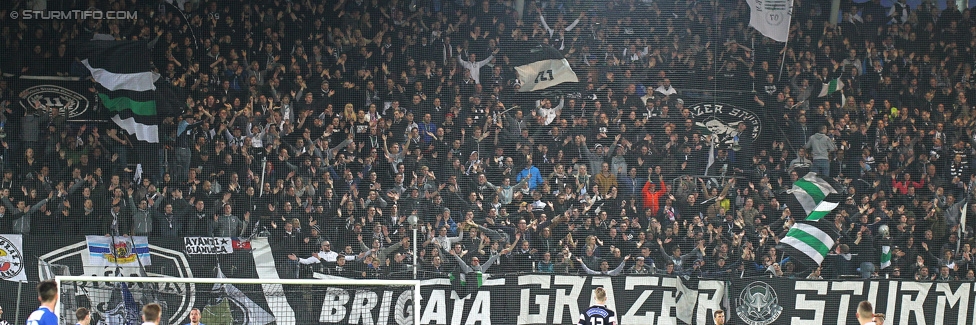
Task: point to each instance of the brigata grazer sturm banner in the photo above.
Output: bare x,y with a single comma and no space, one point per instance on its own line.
503,299
773,301
511,299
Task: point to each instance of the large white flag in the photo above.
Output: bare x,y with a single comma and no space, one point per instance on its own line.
12,258
544,74
771,18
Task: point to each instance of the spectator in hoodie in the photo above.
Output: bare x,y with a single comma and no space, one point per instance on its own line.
819,145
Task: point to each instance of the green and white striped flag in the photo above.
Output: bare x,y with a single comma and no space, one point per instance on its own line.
831,87
822,210
885,256
810,240
808,193
134,96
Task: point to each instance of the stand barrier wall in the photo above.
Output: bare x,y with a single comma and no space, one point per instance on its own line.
493,299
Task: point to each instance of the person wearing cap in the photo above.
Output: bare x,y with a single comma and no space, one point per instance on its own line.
315,234
639,267
234,137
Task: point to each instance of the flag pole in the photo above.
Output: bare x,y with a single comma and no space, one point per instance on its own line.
783,59
20,291
785,44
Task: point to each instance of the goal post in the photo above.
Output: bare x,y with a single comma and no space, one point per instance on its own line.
241,301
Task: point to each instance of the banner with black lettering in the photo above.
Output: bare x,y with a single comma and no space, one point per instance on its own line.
559,299
69,96
784,301
208,245
501,299
522,299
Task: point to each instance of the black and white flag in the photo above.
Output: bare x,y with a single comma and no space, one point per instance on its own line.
545,68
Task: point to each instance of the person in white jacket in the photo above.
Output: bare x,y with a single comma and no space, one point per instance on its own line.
326,255
474,67
548,112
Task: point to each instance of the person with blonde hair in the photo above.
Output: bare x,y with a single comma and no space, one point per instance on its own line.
598,314
865,313
151,314
349,112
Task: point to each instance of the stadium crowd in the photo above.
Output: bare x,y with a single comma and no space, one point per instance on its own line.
331,126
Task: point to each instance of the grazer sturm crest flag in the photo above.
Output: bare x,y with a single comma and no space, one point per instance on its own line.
118,251
12,267
811,199
771,18
545,67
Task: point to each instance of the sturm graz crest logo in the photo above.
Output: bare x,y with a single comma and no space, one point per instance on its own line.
11,261
725,123
52,97
777,11
758,304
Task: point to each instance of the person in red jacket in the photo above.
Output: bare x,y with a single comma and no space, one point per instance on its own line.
652,195
906,181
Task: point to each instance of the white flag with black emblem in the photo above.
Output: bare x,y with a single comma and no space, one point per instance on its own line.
12,266
771,18
545,67
545,74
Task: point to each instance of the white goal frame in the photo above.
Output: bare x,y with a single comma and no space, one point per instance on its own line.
334,282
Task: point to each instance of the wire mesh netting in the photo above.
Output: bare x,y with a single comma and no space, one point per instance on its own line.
314,302
733,149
